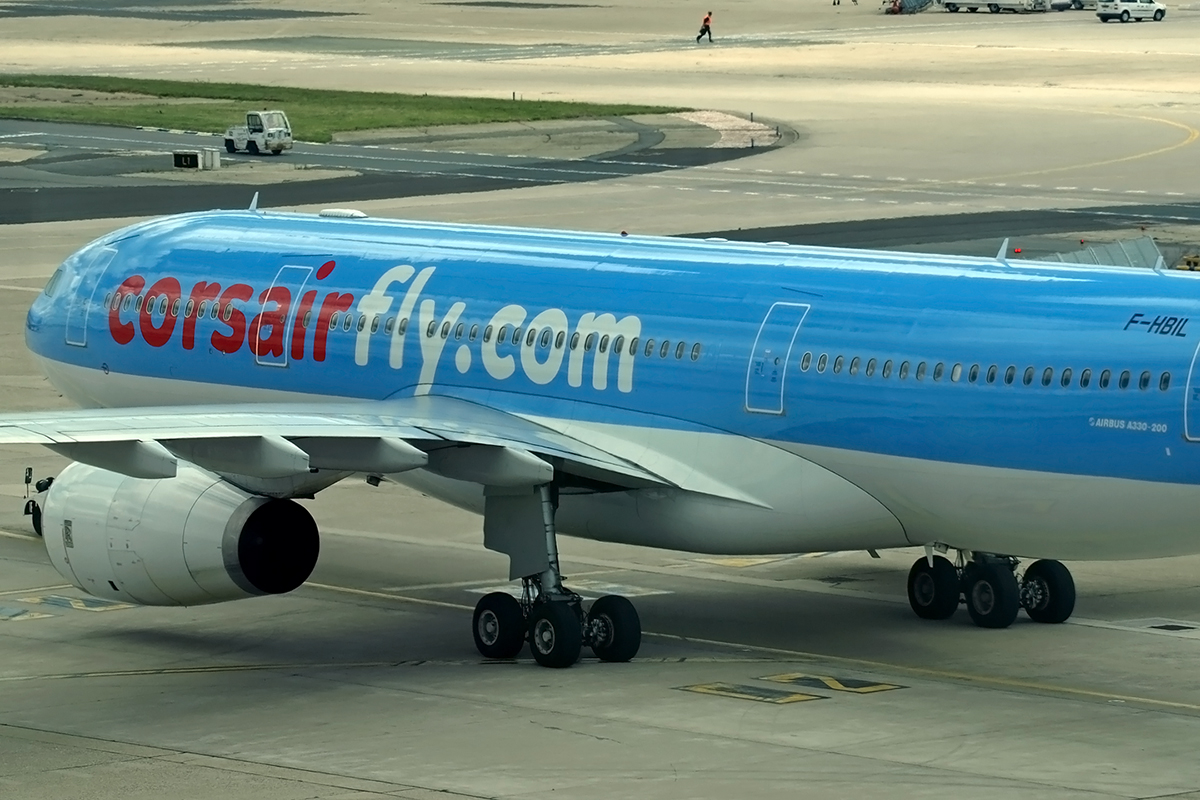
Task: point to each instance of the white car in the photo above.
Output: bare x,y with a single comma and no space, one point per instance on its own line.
1126,10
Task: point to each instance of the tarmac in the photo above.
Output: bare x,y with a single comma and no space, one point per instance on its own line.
802,675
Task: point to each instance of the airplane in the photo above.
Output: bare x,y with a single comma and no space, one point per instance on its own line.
700,395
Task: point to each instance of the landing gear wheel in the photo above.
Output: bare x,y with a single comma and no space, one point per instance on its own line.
252,147
230,147
933,590
992,594
555,634
614,629
1048,592
499,626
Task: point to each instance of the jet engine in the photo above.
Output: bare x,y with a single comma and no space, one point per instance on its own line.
182,541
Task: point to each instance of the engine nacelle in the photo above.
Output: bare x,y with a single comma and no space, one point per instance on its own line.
181,541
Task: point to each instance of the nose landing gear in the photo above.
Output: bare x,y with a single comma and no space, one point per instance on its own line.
989,587
551,617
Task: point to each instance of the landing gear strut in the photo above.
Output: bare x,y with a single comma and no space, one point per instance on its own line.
989,586
551,617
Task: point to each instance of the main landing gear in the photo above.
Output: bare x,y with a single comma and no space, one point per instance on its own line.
551,617
989,587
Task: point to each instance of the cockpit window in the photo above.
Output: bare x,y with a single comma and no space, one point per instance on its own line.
52,284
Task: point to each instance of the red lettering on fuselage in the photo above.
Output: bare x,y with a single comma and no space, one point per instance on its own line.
123,332
200,292
299,328
233,318
163,295
275,320
332,302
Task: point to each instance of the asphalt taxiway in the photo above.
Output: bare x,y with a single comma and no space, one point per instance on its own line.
789,676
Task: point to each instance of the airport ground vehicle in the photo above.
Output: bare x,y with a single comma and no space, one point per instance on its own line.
996,6
1077,5
264,132
1126,10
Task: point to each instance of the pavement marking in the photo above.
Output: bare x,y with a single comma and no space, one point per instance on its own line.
36,589
9,614
758,694
416,587
589,590
34,289
851,685
991,682
740,562
78,603
12,535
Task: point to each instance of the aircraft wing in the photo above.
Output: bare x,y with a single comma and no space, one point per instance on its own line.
453,437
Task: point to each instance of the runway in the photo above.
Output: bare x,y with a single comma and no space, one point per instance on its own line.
790,676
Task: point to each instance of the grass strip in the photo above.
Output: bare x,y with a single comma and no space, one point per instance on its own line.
315,114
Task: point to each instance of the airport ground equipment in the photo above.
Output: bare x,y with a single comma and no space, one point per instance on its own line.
996,6
263,132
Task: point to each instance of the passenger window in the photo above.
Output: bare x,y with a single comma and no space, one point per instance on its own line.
679,348
445,330
189,308
487,333
175,307
886,372
228,312
991,373
1144,381
870,368
108,298
348,322
1028,379
375,324
589,342
1164,382
127,302
1065,380
575,340
403,325
903,370
604,343
956,373
531,336
696,352
666,348
633,346
1123,382
649,348
973,373
921,371
1010,375
1105,378
516,335
805,360
458,329
137,303
821,362
362,322
474,334
1047,376
837,365
854,366
1085,379
430,329
546,337
938,371
618,344
502,334
559,339
162,306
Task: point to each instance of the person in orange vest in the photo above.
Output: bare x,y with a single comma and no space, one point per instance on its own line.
705,27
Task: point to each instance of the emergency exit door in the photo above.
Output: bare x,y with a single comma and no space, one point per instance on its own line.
766,375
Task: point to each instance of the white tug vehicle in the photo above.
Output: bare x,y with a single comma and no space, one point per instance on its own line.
264,132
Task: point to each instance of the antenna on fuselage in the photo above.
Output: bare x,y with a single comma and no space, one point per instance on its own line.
254,207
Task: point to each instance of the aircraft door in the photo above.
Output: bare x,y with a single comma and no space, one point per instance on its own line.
770,357
1191,401
283,301
82,286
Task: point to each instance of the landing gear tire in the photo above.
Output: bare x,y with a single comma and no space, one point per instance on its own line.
1048,592
230,147
252,148
555,634
933,590
993,597
499,626
614,628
